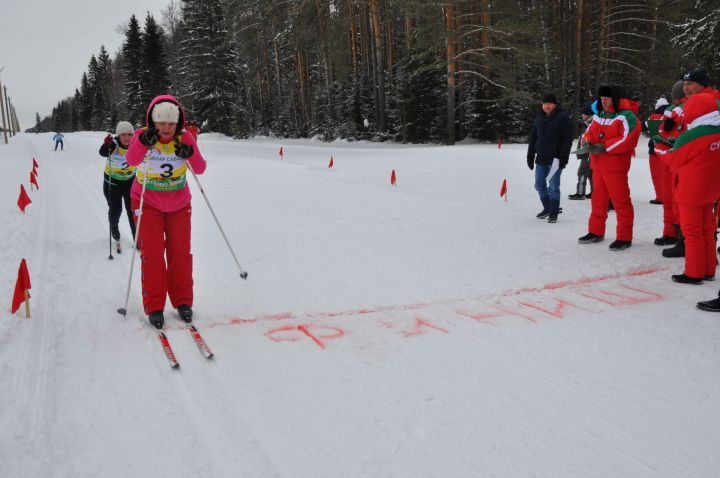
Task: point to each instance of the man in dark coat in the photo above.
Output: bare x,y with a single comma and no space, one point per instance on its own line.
548,153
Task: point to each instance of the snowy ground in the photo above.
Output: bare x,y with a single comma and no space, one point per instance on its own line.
425,330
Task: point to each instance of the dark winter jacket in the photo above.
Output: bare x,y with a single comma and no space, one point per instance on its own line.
550,138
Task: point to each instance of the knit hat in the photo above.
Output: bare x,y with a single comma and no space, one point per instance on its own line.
124,127
165,112
698,75
549,98
677,93
701,109
661,102
605,91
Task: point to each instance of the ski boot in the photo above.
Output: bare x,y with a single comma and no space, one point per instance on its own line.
157,318
185,312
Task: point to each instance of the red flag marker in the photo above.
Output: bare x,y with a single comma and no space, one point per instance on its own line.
500,142
22,286
33,180
35,164
503,189
281,152
393,178
34,170
331,162
23,200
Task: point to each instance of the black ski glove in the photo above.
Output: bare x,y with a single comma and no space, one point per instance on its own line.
149,137
531,162
183,150
598,148
668,124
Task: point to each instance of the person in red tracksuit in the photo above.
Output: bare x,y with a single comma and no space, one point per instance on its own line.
613,136
657,170
696,160
163,151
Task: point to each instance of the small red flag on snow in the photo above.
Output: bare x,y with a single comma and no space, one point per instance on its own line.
331,162
34,170
503,189
24,199
35,164
500,142
281,152
33,180
393,178
22,286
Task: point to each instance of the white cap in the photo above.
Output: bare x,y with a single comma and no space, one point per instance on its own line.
124,127
661,102
165,112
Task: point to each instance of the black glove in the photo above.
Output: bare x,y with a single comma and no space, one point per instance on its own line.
563,163
183,150
531,162
598,148
149,137
668,124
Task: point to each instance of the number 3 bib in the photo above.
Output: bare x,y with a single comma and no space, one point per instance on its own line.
166,171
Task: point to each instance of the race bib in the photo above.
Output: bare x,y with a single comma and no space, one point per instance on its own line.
118,168
165,170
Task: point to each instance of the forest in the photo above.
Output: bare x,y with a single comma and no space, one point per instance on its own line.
410,71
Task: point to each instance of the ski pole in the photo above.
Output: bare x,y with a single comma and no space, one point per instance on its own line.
243,273
109,181
123,310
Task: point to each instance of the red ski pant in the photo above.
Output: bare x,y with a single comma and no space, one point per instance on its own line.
670,205
699,226
164,235
606,187
657,172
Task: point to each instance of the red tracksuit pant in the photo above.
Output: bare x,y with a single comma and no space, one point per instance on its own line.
698,226
657,173
164,243
606,187
670,206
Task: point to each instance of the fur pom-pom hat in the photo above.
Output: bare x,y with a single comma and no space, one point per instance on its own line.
165,112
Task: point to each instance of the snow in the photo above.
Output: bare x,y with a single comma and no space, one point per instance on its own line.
428,329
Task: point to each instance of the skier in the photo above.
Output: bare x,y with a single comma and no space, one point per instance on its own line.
118,177
193,128
696,161
164,222
58,138
613,136
584,172
549,149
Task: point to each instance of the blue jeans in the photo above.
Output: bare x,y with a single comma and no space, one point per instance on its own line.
549,190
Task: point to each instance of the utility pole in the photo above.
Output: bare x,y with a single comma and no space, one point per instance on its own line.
2,110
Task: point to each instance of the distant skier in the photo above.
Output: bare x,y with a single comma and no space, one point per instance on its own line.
118,177
58,138
549,149
164,231
193,128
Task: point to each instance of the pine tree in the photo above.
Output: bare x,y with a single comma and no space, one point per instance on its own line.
155,76
132,67
38,123
86,103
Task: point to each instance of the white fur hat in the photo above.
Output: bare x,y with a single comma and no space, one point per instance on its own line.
165,112
662,101
124,127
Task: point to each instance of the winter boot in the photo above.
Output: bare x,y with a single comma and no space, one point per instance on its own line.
683,279
185,312
546,209
554,210
157,318
678,250
580,194
115,232
709,305
590,238
618,245
655,201
665,241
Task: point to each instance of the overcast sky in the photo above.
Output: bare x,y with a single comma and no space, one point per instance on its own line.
45,46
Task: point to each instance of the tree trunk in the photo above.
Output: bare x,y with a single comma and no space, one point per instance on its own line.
450,39
379,66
